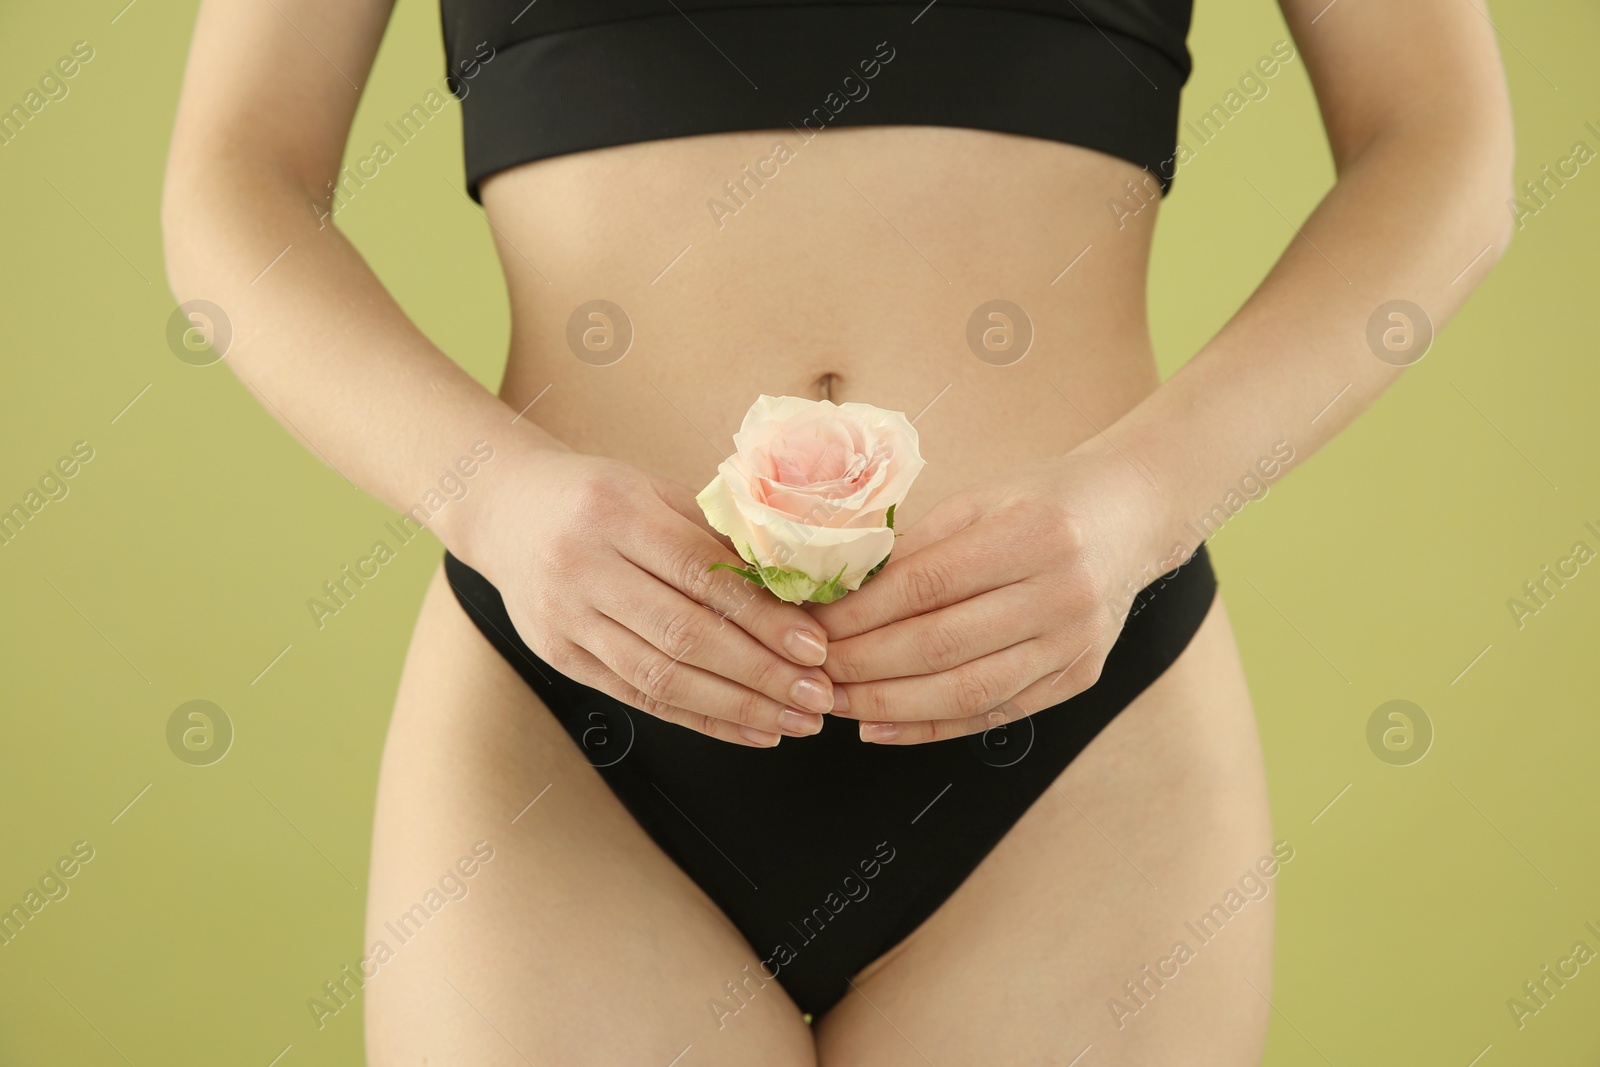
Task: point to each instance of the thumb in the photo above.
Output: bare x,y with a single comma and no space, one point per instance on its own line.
680,498
948,516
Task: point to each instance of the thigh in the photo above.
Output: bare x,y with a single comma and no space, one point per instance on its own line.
1066,937
516,912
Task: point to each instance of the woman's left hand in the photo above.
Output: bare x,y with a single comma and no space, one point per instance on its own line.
1002,601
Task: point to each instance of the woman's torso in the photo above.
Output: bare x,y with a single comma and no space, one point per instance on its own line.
850,267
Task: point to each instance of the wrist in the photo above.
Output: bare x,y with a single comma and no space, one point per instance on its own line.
1149,537
508,461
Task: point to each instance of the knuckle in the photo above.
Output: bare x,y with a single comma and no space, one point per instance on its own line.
943,646
1066,534
561,655
1049,525
1094,585
653,706
1082,592
767,673
596,498
560,558
689,564
655,674
867,702
842,665
680,632
927,584
969,692
744,597
749,711
1090,669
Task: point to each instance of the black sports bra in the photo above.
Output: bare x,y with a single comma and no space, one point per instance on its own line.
549,77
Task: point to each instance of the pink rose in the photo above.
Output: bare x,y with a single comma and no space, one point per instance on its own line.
809,495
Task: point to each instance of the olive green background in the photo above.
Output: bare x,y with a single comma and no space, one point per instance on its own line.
179,565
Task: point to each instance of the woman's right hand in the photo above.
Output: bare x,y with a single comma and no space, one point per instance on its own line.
604,570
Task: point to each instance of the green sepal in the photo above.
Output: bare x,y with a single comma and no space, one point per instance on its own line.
748,575
889,521
831,590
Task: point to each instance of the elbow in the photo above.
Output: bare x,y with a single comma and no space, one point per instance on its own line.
1498,216
210,209
1475,168
1487,151
219,209
1468,155
178,210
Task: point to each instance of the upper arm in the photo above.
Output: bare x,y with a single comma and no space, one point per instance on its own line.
1427,70
275,83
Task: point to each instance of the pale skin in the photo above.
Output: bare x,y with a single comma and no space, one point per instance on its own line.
580,942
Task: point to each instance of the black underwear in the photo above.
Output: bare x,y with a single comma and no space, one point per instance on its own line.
544,79
827,851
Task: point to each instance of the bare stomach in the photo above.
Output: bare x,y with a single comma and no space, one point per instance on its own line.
657,288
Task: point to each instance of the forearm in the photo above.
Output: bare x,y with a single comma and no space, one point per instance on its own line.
1420,218
320,341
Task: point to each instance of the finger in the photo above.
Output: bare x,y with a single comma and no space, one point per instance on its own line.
1064,683
671,683
686,632
943,519
971,561
947,517
1050,691
919,732
938,641
961,692
681,554
582,665
682,500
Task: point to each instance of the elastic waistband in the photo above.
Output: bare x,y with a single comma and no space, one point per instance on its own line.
799,70
1158,623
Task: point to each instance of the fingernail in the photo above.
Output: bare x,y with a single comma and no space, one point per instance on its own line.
760,737
810,694
840,701
805,647
798,723
879,731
